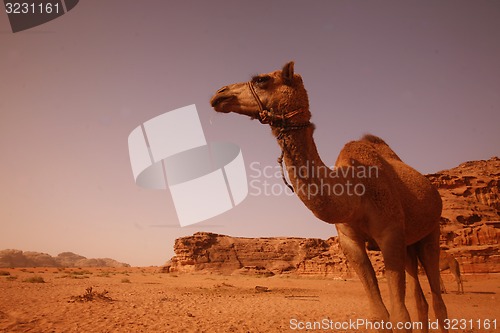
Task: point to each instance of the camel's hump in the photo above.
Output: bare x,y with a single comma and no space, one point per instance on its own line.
373,139
381,146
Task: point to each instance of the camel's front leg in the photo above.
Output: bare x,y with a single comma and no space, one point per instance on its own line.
354,250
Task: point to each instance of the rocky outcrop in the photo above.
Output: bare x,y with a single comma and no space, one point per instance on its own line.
469,231
225,254
476,247
334,263
470,192
213,253
471,213
17,258
478,234
477,259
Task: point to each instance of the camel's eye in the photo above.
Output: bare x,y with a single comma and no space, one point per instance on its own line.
261,79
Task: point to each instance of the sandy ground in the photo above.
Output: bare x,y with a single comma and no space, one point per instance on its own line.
144,300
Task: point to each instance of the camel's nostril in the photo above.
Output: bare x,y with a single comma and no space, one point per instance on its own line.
217,100
221,90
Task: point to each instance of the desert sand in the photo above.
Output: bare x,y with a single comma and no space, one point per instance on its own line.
145,300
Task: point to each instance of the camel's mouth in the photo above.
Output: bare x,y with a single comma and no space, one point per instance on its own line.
218,103
226,103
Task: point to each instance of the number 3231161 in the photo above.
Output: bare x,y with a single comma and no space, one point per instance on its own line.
32,8
455,324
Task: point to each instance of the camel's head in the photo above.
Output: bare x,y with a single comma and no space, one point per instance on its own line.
281,91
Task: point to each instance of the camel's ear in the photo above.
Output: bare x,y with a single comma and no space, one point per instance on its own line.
287,73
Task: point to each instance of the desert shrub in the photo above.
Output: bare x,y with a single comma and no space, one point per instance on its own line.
4,273
11,278
125,280
35,279
81,272
75,275
91,295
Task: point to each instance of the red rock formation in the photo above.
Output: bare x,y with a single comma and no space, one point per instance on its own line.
471,214
470,192
475,235
212,253
478,259
225,254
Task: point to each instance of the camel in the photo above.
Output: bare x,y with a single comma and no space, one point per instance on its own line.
447,261
370,195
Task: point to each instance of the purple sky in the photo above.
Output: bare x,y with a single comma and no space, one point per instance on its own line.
424,75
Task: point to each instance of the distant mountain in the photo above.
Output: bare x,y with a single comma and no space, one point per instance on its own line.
18,258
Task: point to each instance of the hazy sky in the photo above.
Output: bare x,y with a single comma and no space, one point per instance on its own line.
424,75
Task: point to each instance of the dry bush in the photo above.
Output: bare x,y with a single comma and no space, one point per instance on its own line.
91,295
34,279
76,275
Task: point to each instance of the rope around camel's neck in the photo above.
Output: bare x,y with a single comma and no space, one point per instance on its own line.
312,180
299,154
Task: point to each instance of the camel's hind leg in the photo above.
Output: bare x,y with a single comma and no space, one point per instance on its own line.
394,250
441,283
443,265
428,253
354,250
418,294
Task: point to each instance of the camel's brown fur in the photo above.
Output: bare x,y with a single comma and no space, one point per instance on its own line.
399,210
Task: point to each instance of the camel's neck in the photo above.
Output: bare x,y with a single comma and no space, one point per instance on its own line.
322,189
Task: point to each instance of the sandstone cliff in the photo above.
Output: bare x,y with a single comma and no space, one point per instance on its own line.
470,191
225,254
471,213
17,258
469,229
213,253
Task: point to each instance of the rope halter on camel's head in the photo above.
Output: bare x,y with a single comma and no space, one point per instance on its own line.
270,117
278,120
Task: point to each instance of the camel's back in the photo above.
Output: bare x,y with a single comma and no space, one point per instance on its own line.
419,199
